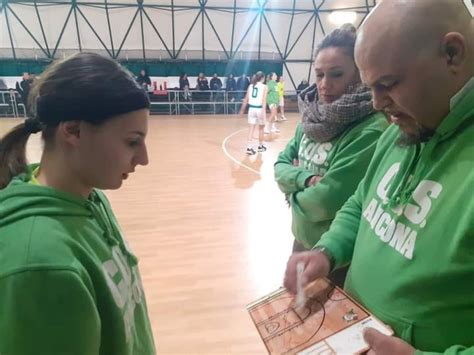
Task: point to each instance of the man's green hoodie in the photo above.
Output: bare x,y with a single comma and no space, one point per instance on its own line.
68,282
341,163
409,234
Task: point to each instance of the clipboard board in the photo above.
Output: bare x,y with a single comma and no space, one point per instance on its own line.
331,322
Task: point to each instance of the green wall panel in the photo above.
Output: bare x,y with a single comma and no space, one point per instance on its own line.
192,68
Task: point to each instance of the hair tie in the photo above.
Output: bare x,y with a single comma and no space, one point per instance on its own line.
33,125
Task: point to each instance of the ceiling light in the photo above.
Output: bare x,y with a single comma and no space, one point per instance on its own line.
342,17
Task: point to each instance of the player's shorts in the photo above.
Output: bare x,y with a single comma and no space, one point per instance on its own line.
256,116
272,106
282,101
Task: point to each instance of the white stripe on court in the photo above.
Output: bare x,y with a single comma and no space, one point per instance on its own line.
224,149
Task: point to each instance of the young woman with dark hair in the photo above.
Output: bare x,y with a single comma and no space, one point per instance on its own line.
69,283
324,162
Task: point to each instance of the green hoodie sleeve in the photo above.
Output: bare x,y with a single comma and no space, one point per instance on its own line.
340,238
290,178
47,312
320,202
453,350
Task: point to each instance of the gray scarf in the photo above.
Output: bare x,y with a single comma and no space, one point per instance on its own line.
323,122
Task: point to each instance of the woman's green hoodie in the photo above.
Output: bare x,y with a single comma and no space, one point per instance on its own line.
68,282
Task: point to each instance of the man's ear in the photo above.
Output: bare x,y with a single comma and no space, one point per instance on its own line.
454,50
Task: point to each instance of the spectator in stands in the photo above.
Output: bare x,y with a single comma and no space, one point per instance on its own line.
242,84
23,89
216,83
3,86
183,82
143,79
202,83
230,86
303,85
184,85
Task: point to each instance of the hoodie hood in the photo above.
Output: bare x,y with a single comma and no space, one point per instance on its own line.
412,170
21,200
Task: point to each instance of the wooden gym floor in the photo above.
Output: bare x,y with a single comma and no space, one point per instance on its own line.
210,227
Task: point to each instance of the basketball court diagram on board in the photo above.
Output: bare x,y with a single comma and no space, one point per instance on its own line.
330,322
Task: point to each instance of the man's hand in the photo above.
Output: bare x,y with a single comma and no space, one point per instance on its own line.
381,344
316,265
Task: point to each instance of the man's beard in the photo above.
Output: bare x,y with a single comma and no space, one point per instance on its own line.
421,135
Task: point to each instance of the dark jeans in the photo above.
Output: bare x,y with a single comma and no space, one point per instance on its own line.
337,277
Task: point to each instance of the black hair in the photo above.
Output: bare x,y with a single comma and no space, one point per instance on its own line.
270,76
343,37
85,86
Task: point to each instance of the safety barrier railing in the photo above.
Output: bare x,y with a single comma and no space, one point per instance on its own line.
171,102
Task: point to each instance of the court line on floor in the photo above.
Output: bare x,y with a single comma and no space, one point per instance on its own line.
224,149
226,152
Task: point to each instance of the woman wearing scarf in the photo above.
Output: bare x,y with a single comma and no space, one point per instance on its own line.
326,159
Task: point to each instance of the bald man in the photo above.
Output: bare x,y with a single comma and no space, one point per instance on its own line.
408,231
